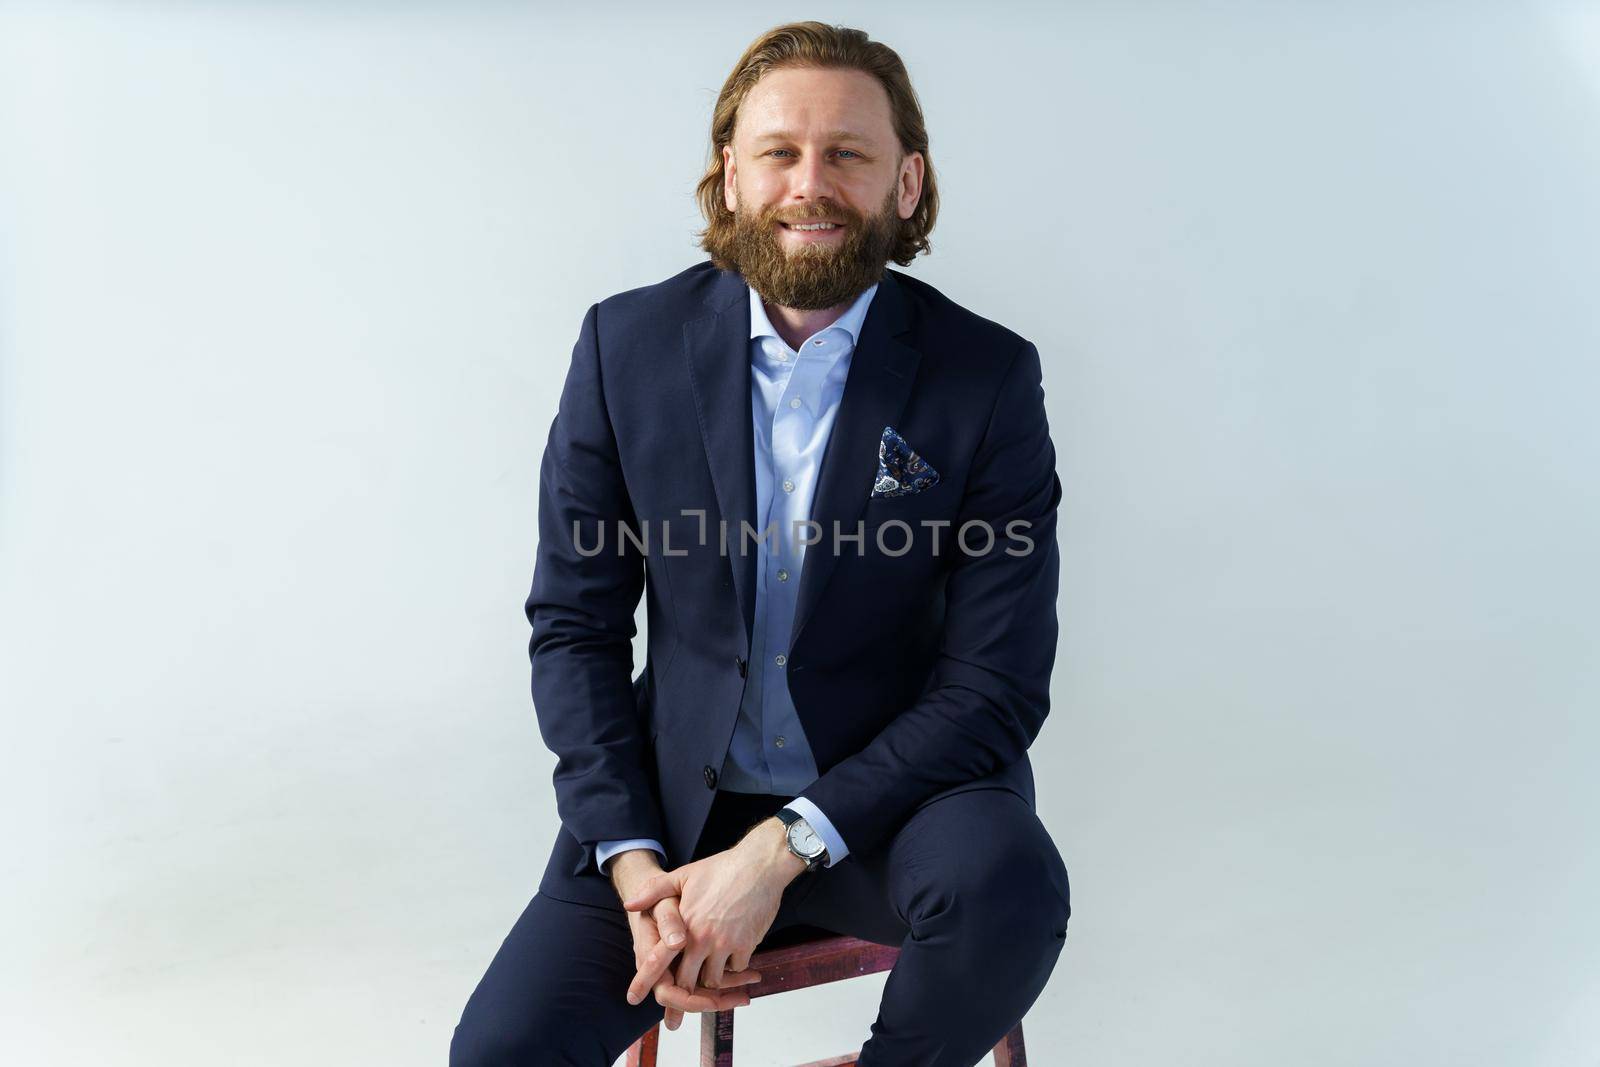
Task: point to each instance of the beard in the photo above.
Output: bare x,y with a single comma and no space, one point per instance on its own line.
812,276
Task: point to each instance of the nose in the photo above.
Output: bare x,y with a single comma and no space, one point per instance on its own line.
809,179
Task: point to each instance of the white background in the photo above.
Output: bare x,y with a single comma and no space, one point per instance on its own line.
286,294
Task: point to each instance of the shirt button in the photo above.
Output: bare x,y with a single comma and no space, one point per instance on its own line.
794,402
783,576
818,341
783,357
788,486
779,741
780,659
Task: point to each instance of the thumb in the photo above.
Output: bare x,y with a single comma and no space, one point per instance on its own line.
669,923
654,888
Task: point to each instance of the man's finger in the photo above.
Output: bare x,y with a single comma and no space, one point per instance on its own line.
651,971
669,922
674,997
689,966
647,934
711,972
730,979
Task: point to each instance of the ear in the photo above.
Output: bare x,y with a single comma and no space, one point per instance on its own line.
730,188
910,184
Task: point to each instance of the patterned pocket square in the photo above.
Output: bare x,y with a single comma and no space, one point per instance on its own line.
900,470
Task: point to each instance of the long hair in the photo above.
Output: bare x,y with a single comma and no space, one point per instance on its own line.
816,44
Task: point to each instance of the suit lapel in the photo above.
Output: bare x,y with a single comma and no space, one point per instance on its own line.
882,369
718,350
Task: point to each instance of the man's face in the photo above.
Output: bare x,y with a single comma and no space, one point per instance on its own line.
815,146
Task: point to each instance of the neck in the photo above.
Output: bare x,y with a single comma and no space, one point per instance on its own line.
795,326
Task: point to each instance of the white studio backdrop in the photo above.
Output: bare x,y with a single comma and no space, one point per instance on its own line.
287,292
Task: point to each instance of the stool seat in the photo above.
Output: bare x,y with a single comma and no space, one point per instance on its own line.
798,957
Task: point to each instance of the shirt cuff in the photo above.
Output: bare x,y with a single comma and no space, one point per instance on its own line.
824,829
606,849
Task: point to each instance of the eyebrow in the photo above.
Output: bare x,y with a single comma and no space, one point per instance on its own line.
832,135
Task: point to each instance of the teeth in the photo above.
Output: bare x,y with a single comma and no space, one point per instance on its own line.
812,226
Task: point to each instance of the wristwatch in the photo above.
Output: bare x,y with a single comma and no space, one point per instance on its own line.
802,839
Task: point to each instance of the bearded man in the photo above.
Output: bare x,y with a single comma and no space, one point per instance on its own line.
839,489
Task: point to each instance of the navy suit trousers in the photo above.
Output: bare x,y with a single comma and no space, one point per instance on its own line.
971,888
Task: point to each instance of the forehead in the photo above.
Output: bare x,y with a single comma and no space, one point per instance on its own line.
803,102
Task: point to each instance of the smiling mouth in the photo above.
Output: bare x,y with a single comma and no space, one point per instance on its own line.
812,227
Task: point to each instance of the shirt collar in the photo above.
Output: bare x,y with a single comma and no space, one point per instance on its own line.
850,321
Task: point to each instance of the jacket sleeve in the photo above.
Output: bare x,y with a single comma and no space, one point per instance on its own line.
990,689
581,609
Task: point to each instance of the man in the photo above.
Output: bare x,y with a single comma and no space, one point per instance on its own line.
832,725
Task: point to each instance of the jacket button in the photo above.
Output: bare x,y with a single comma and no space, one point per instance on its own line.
740,661
710,773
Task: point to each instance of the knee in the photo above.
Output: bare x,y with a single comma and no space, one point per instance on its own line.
1012,897
480,1043
481,1040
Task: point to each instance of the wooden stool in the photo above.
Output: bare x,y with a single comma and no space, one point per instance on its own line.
797,957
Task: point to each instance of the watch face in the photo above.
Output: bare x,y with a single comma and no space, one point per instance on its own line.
804,840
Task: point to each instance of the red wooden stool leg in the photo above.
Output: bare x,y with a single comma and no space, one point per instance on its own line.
1009,1052
716,1039
642,1053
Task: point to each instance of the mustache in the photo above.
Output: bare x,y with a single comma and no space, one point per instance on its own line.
821,213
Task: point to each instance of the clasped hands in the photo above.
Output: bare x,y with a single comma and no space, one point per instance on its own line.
709,915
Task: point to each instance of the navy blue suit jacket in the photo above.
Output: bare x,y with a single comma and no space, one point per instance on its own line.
915,675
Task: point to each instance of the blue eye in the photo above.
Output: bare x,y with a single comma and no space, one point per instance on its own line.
843,151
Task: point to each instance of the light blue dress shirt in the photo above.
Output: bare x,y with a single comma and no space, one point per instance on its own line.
794,398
